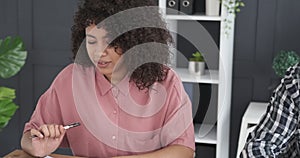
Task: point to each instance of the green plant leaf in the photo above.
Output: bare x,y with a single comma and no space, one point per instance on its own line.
3,121
283,60
7,110
197,56
7,93
12,56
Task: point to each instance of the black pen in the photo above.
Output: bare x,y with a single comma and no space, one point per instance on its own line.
65,127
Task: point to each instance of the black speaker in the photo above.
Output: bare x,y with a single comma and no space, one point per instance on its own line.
172,6
187,6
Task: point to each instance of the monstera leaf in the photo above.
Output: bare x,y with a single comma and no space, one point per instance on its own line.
12,58
7,106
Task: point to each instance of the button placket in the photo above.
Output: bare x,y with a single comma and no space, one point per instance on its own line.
117,130
115,92
114,135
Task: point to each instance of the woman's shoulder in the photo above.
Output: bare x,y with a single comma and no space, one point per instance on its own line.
66,71
65,75
172,78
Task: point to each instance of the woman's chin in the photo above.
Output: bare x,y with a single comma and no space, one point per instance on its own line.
104,71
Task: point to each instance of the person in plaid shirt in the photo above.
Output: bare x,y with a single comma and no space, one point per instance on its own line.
277,134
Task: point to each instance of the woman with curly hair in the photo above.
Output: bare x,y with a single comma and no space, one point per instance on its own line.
120,90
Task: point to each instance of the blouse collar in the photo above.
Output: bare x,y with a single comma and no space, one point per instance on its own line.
105,85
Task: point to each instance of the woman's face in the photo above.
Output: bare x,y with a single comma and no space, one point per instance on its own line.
104,57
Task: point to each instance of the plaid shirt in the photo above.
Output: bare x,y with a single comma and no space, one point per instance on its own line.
277,134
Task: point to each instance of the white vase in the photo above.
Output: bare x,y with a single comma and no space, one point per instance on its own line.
197,68
212,7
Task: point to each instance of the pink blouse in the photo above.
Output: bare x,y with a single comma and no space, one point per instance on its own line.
121,119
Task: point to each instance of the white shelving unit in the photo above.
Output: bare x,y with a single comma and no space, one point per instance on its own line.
209,138
222,77
193,17
210,76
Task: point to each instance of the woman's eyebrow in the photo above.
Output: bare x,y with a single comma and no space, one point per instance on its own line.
91,36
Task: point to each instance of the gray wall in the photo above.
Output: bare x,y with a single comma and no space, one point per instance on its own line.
262,28
44,26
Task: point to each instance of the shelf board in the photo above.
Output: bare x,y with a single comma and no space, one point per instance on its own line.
210,76
199,17
208,134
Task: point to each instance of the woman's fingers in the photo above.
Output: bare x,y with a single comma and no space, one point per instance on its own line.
34,133
48,140
57,131
51,131
44,129
62,129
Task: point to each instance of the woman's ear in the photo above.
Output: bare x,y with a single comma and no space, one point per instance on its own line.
118,50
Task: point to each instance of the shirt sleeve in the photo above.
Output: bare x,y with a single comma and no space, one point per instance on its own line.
47,111
180,111
275,134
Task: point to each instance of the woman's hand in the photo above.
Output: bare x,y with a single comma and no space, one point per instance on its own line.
43,141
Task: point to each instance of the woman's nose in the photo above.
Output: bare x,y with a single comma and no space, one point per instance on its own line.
100,51
103,53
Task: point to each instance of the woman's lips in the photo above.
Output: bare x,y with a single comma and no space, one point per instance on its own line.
103,64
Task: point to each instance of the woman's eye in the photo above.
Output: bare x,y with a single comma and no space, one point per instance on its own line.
92,42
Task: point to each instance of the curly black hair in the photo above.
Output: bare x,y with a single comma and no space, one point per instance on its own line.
148,64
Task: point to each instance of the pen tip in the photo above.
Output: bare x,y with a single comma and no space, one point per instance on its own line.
77,123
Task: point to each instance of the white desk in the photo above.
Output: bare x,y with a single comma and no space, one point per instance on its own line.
252,116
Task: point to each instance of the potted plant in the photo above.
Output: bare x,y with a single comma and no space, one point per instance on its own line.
283,60
197,64
212,7
232,7
12,58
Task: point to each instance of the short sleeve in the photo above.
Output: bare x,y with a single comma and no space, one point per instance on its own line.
180,112
47,111
187,138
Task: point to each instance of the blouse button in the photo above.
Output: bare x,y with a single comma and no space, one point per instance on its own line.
113,137
115,92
